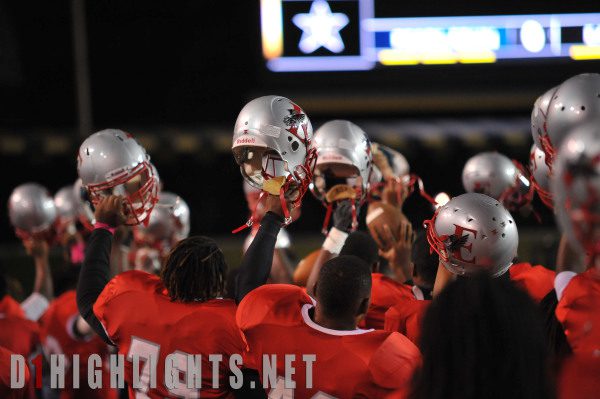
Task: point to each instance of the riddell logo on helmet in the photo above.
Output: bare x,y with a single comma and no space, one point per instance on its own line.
245,140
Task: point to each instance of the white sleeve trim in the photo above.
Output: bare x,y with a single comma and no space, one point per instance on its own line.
34,306
561,281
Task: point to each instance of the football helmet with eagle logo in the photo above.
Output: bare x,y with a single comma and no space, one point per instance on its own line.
273,140
473,232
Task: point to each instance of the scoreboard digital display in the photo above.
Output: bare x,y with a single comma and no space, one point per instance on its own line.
345,35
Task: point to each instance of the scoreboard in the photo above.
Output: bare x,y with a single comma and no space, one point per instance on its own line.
346,35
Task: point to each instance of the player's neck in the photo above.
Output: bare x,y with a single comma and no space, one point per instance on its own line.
332,324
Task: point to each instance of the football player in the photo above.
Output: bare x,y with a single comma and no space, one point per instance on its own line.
576,190
482,338
341,182
150,317
407,314
320,334
385,292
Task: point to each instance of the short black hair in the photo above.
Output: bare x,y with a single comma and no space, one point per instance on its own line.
195,270
424,260
482,338
344,282
361,245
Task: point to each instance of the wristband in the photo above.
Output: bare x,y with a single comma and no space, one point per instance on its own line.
335,241
100,225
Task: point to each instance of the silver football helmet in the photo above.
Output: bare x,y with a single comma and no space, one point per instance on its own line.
495,175
343,158
473,232
575,103
576,188
399,169
68,207
272,138
539,113
168,224
31,210
86,212
112,162
540,175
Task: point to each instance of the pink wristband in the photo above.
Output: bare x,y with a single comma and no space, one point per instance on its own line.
100,225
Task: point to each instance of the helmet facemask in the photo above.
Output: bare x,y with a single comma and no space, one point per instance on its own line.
138,187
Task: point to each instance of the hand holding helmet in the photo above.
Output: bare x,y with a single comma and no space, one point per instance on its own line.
111,211
272,140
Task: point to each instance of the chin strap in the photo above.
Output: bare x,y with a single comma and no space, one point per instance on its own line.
354,225
548,148
252,217
416,180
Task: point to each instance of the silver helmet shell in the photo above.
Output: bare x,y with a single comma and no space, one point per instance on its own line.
540,174
273,137
576,188
112,162
539,113
575,103
31,209
343,154
397,161
67,204
473,232
168,224
495,175
86,213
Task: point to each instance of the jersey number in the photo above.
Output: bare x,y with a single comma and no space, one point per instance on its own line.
146,350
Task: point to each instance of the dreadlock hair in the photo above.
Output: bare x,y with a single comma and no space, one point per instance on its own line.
344,282
482,338
195,270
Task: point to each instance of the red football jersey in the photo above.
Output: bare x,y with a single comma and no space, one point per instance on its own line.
19,335
56,332
6,392
385,293
579,313
10,307
276,321
537,281
406,317
579,378
140,318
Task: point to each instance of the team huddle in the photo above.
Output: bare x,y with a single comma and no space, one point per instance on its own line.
383,309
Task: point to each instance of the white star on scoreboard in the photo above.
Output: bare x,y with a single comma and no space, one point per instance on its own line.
320,28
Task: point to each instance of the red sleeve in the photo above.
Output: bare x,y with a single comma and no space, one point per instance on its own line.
10,307
120,284
537,281
393,320
263,302
577,311
394,362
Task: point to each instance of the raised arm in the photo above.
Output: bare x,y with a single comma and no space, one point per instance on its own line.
95,271
336,237
256,263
